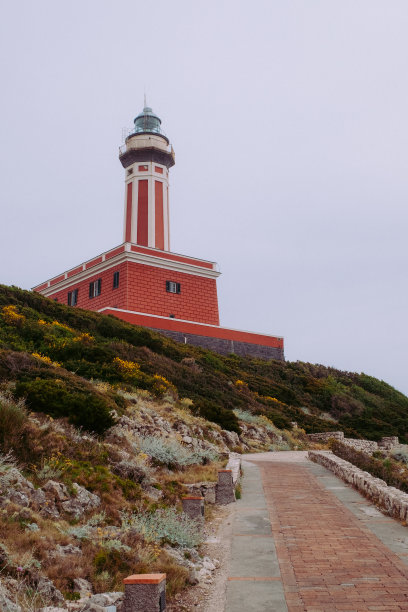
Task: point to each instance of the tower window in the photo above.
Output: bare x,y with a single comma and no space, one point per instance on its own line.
173,287
116,279
159,170
130,171
73,297
143,168
95,288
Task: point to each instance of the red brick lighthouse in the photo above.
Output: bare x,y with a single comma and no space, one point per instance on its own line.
142,281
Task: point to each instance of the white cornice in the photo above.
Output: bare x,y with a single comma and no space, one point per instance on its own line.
129,256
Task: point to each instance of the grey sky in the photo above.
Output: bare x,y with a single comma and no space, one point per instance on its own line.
289,122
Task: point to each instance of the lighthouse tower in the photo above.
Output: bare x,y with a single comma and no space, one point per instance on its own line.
147,157
141,280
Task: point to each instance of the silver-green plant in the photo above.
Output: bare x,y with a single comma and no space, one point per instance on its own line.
163,526
48,472
255,419
116,545
8,470
400,454
173,453
87,530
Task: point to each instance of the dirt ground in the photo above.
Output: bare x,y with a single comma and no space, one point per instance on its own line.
211,597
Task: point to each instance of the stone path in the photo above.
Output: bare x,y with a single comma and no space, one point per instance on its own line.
303,540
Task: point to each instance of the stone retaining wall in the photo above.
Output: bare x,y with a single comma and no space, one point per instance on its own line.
388,442
326,435
394,501
366,446
225,347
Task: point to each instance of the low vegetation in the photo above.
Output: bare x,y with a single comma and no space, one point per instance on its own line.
128,417
41,339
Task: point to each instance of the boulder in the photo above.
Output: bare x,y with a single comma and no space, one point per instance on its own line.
84,501
6,603
83,587
47,590
56,490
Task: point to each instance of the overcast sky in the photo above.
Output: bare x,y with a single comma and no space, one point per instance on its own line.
289,122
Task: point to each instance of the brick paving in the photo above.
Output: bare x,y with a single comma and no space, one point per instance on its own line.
328,559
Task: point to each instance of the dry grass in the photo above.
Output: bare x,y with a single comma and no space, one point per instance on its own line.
195,473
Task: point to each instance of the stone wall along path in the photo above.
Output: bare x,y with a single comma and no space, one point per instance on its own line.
306,541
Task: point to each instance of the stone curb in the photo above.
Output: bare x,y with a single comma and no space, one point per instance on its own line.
394,501
234,464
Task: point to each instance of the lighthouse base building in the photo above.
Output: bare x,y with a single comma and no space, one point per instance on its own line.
142,281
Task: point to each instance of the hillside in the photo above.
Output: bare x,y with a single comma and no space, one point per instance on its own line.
36,332
105,426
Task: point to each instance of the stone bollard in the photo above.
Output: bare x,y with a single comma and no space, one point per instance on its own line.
193,507
225,491
145,593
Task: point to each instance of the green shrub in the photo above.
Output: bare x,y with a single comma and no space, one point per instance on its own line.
92,411
212,412
12,419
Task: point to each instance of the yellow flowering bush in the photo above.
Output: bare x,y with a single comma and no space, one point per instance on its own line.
53,467
63,326
241,385
130,370
162,386
84,337
46,359
11,316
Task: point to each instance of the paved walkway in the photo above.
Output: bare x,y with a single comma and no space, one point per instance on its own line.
303,540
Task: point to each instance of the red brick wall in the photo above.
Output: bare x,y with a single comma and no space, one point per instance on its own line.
108,297
143,289
147,293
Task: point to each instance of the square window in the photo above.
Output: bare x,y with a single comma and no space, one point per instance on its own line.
173,287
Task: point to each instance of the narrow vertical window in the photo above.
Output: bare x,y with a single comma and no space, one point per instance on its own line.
73,297
95,288
116,279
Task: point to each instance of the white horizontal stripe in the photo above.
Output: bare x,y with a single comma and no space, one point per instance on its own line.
146,314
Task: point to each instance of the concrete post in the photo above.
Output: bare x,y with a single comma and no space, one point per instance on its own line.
145,593
225,490
193,507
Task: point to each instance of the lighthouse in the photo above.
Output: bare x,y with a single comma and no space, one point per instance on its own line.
147,157
143,281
